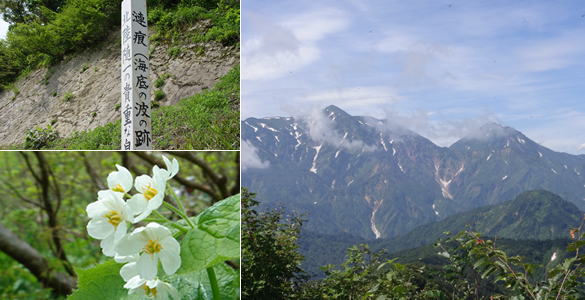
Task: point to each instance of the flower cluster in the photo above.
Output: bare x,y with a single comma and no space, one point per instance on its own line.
142,249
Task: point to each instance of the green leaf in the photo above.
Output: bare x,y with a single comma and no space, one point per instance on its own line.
216,237
195,285
100,282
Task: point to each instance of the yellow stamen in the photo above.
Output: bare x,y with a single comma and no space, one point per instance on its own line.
118,188
152,247
149,291
149,192
114,218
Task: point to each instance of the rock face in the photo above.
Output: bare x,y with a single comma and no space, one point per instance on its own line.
93,78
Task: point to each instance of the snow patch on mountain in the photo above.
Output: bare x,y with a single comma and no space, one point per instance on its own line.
314,168
255,128
374,229
268,127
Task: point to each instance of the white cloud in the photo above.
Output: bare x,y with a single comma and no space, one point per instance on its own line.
321,130
250,158
276,49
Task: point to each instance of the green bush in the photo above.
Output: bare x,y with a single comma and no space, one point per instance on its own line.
159,94
68,96
39,138
54,94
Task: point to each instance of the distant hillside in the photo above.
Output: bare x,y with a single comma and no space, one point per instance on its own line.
533,215
373,178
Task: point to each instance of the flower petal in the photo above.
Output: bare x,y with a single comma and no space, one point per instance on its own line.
108,246
169,256
147,265
137,204
130,244
128,271
99,228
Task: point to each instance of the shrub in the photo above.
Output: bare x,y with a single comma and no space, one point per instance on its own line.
39,138
68,96
159,94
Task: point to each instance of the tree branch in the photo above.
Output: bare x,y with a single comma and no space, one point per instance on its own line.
25,254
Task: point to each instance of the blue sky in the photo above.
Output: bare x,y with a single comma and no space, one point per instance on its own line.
438,68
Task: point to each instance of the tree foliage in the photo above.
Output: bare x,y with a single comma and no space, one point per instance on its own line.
270,262
468,266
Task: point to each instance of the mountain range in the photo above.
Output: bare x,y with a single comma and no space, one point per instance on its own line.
536,219
372,178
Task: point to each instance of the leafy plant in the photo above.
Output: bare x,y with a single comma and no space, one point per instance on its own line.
174,51
198,271
54,94
53,121
159,94
84,67
39,138
117,106
270,263
68,96
159,82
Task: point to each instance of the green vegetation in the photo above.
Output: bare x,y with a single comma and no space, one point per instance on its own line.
174,51
158,94
16,92
159,82
208,120
224,16
270,263
68,96
39,138
468,266
44,222
53,121
43,33
54,94
84,67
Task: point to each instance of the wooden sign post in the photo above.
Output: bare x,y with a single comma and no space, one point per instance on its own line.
136,121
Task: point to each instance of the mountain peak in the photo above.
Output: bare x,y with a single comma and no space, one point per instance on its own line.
493,136
333,110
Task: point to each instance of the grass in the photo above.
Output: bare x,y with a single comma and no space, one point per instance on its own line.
208,120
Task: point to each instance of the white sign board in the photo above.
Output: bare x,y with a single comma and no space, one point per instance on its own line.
136,120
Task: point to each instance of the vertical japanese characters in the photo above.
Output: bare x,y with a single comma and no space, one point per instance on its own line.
136,121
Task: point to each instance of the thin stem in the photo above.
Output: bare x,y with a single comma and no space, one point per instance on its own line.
213,282
160,216
181,228
181,214
176,198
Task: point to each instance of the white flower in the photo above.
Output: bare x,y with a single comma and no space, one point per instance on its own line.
157,288
153,242
151,193
120,181
108,219
172,168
